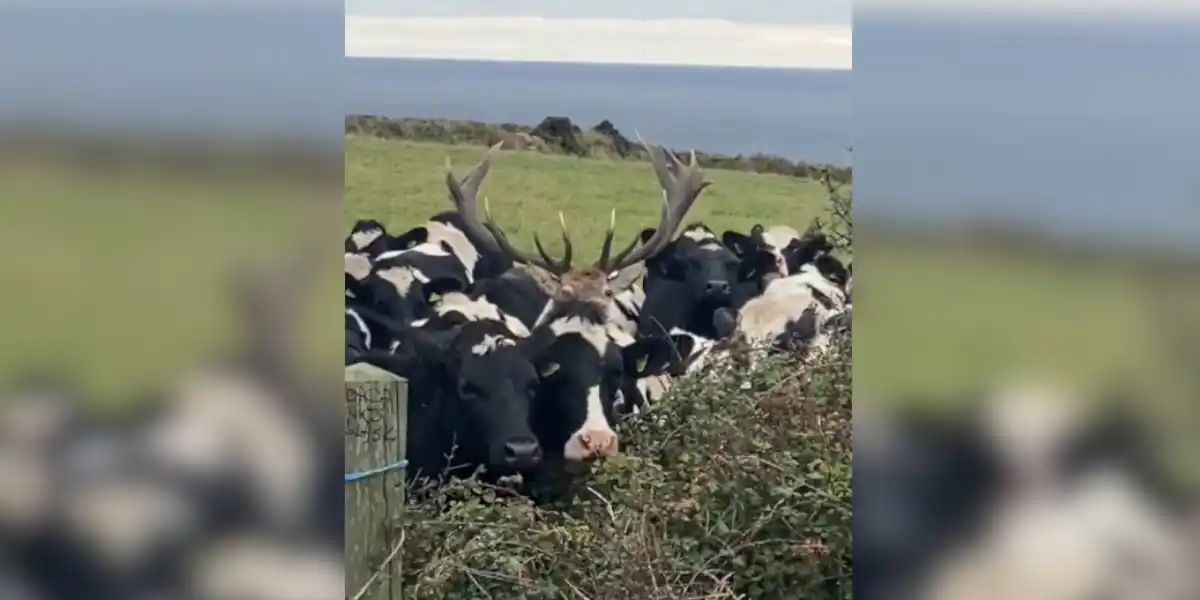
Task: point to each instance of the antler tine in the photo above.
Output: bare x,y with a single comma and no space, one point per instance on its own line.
464,196
568,251
506,247
606,250
681,185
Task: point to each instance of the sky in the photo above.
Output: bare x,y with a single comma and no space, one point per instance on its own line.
777,33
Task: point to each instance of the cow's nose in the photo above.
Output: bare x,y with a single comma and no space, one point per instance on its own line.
522,452
718,287
594,443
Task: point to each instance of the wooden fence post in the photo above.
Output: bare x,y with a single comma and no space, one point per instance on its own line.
376,410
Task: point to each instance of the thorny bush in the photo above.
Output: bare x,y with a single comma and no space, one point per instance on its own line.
735,489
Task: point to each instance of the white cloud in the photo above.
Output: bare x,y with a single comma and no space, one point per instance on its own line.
1081,9
659,41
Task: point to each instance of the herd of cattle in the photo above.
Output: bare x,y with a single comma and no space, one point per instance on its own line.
522,362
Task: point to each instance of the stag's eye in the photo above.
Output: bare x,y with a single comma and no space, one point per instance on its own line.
609,292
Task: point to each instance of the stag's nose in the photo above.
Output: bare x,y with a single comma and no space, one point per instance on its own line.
718,287
522,452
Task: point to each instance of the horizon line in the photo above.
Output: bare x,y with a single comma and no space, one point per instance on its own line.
605,63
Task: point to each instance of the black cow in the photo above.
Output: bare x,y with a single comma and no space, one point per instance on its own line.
693,277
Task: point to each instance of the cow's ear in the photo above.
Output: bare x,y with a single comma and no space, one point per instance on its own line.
648,356
413,237
436,288
755,265
738,243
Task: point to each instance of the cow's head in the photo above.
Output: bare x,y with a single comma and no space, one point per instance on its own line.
402,291
582,370
491,383
371,238
708,269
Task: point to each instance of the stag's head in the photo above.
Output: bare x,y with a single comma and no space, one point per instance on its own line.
596,283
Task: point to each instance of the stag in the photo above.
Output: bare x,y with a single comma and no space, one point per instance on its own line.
598,283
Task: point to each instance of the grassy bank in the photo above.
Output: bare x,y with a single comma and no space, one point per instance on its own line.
558,135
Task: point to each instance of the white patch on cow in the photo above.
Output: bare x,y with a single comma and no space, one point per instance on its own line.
780,236
463,249
362,239
594,334
238,419
362,326
628,302
596,427
427,248
402,278
358,266
490,343
698,234
1100,534
479,309
124,520
765,317
258,567
777,238
28,490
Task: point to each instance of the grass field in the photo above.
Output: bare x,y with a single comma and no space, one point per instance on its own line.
403,183
119,279
939,319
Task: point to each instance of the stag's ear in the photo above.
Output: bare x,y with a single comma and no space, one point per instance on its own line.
627,277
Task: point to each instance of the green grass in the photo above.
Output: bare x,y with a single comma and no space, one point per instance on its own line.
945,319
403,183
119,279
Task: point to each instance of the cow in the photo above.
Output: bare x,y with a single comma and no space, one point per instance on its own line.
693,277
1016,497
472,394
791,312
369,237
403,284
581,368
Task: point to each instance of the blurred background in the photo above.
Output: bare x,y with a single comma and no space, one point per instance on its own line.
168,173
1028,357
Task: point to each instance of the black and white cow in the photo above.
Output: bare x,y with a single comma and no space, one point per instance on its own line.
693,277
791,313
1018,498
404,283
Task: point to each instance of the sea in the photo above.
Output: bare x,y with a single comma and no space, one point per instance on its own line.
1080,128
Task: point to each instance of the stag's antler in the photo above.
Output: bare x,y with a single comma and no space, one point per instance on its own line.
681,185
